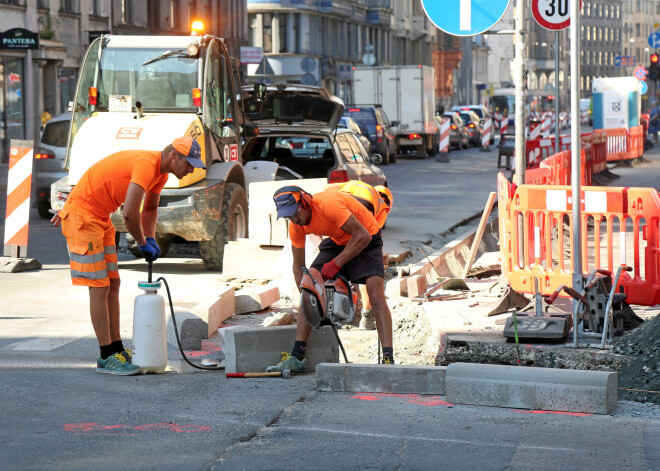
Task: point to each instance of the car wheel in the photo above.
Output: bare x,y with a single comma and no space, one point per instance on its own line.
233,225
386,157
42,208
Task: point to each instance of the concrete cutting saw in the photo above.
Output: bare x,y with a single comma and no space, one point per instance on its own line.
327,302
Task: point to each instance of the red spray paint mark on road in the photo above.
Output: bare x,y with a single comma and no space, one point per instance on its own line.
576,414
412,398
85,427
211,345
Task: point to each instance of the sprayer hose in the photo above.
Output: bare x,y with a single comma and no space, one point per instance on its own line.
176,332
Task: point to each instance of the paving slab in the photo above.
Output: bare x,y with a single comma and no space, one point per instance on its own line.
555,389
395,379
253,349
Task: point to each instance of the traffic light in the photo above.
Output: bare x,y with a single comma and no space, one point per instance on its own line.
654,68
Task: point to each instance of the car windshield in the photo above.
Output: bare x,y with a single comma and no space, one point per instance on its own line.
365,117
479,112
55,134
124,78
466,117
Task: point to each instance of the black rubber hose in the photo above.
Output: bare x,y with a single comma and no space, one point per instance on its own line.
176,332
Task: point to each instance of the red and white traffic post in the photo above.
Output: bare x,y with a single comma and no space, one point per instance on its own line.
443,148
485,135
19,186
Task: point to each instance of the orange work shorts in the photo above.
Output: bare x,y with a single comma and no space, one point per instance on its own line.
92,250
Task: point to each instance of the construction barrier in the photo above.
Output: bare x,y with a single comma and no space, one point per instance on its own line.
619,226
19,184
545,125
444,136
617,144
485,136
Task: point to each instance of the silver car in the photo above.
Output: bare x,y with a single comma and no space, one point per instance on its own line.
49,154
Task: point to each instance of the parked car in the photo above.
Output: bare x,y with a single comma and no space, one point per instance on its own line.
298,130
482,112
360,131
459,137
379,131
49,155
472,125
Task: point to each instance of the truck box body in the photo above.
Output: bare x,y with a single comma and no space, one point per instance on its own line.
407,96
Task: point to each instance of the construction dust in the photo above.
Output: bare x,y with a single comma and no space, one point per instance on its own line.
642,371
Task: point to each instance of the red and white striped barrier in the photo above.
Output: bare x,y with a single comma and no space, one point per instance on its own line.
19,184
545,126
584,117
485,134
534,131
504,125
444,136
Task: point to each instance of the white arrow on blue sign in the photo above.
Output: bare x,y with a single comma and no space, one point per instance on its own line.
654,40
465,17
643,88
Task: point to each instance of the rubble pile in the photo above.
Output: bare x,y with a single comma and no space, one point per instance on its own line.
642,370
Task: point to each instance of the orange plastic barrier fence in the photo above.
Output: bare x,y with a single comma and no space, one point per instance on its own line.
635,142
619,226
616,144
556,170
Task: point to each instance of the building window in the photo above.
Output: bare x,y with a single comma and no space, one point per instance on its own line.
69,6
153,13
43,4
96,8
173,15
13,2
127,12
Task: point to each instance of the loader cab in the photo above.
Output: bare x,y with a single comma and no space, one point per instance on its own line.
147,76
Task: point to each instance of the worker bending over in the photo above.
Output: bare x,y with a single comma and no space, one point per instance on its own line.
354,249
135,179
379,201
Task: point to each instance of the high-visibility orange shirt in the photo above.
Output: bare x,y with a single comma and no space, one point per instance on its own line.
102,188
368,193
330,211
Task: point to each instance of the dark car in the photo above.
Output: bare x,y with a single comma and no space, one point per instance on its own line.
459,137
471,121
378,126
298,131
49,155
483,113
360,131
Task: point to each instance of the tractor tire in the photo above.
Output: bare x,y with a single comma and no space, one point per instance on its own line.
233,225
42,208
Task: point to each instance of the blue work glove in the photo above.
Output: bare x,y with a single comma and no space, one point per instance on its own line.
148,252
151,241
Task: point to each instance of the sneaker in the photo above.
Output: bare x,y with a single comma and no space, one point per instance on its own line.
116,365
387,361
368,321
128,355
295,366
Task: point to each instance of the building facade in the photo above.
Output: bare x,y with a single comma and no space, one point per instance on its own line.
44,79
318,43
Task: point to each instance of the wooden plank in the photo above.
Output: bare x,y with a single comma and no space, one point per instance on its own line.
480,233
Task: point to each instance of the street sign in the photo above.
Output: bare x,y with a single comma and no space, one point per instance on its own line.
465,17
643,88
640,72
552,14
654,40
251,55
625,61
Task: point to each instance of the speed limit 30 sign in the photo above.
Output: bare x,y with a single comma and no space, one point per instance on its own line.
552,14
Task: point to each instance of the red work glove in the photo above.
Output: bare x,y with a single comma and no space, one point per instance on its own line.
330,270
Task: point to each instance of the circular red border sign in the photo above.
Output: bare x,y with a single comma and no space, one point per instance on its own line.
545,23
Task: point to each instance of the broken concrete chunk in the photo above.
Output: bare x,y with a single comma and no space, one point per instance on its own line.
279,318
256,299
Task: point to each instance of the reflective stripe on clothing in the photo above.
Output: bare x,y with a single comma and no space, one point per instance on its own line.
91,243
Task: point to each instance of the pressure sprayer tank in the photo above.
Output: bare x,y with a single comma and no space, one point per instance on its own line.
150,329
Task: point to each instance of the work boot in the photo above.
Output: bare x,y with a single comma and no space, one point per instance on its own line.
368,321
387,361
295,366
116,365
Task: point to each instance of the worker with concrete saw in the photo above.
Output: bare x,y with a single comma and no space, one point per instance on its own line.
134,178
379,201
353,248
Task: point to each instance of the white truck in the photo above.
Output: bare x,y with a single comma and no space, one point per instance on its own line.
407,95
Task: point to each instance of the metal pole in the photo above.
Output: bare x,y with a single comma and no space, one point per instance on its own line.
519,62
557,132
576,223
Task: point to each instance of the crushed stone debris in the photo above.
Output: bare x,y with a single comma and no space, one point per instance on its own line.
642,369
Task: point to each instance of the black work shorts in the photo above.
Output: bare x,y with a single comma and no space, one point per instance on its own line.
367,263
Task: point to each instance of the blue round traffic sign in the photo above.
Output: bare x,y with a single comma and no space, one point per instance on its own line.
643,88
465,17
654,40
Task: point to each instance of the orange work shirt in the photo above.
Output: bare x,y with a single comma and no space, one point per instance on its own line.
102,188
330,211
363,190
